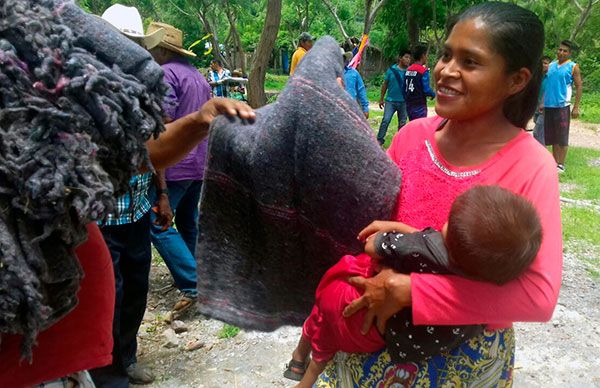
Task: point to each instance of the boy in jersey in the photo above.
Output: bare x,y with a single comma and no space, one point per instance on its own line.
416,84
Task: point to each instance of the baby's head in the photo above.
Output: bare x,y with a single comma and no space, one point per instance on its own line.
493,234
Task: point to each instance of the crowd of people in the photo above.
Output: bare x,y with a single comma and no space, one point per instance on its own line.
474,243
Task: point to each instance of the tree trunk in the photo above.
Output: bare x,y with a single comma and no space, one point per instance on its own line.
584,14
256,80
413,27
237,42
439,40
202,15
333,11
372,8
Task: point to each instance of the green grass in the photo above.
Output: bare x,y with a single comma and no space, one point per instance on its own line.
581,236
590,107
373,93
585,178
275,83
228,331
375,117
580,223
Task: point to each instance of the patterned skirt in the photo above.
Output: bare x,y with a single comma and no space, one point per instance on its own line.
483,361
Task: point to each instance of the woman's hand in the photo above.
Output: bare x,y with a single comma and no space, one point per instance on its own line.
384,226
218,106
183,134
385,294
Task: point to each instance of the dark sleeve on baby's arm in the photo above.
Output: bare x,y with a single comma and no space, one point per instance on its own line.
422,251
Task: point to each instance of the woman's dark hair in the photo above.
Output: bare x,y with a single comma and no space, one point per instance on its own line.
493,234
517,34
217,62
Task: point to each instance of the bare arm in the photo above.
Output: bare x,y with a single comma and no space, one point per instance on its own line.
578,90
384,86
184,134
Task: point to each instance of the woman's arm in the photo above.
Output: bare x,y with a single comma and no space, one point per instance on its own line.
184,134
453,300
441,300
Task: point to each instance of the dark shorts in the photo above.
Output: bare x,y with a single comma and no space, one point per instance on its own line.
416,111
556,126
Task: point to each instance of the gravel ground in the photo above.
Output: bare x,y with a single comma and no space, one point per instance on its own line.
564,352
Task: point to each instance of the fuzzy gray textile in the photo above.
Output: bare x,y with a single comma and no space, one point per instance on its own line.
73,126
283,199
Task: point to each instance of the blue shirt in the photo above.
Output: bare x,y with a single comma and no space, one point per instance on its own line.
133,205
395,90
356,87
559,84
214,76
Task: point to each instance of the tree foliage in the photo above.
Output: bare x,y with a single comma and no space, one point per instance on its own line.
236,25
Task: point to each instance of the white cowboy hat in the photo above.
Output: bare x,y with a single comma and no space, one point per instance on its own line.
129,22
172,40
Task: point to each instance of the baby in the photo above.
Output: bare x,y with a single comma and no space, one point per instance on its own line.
492,235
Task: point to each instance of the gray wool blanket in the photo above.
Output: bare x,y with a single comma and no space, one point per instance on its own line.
77,103
284,198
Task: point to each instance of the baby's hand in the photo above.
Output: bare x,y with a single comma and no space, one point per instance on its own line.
384,226
370,247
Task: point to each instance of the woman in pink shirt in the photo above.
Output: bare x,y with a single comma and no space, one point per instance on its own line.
487,82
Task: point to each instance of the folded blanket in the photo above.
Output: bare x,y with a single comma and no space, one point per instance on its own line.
73,127
284,198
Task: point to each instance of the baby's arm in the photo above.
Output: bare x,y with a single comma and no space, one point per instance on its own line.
422,251
384,226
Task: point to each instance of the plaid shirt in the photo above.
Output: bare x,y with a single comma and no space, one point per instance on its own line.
133,205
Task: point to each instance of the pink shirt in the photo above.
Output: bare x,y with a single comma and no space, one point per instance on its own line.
430,185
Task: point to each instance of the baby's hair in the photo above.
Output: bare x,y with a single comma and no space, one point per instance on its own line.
493,234
517,34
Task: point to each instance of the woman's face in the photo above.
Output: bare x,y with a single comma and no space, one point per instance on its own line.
471,78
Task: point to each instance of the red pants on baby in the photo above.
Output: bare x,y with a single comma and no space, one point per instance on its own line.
326,328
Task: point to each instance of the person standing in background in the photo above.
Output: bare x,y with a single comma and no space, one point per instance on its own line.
561,76
538,116
188,91
354,85
305,43
393,85
217,72
127,236
417,87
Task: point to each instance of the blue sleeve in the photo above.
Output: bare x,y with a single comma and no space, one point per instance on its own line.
361,92
426,88
388,76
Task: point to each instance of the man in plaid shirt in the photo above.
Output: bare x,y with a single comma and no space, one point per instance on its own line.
127,235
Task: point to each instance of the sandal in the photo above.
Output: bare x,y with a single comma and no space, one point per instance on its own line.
290,374
184,303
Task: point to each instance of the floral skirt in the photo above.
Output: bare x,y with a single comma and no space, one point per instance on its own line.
483,361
